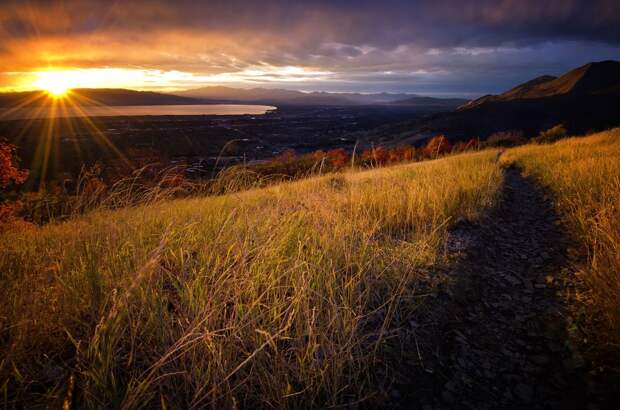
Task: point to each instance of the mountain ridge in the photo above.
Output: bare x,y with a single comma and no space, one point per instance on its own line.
294,97
227,95
97,96
582,99
589,79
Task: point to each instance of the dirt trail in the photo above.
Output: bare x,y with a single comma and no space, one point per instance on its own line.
496,338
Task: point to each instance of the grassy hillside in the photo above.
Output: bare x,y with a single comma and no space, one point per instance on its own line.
280,297
584,176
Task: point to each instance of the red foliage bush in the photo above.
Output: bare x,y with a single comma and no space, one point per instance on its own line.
10,174
375,156
338,158
286,156
405,152
462,146
437,146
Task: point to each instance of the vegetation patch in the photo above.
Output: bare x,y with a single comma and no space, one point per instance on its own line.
280,296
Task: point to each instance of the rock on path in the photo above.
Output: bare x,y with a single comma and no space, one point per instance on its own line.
496,339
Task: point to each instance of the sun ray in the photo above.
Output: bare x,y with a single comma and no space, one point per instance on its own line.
98,133
60,110
42,154
24,103
72,131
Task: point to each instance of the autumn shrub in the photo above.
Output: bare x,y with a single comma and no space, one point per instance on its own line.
10,176
379,155
470,145
505,139
437,146
553,134
374,157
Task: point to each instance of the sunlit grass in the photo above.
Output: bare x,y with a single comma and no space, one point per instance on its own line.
584,176
280,297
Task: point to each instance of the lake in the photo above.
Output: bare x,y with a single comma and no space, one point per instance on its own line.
134,110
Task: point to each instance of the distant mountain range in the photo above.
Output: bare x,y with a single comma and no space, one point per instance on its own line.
290,97
583,99
228,95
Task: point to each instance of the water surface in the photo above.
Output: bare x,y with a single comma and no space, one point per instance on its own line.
133,110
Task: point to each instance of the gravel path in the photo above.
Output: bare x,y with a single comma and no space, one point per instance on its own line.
496,337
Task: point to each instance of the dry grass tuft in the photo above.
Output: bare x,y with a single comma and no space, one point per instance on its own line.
279,297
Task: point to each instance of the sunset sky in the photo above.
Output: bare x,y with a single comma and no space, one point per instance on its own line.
436,47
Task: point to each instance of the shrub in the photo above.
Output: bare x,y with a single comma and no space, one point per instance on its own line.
404,152
10,175
470,145
553,134
437,146
9,171
375,156
511,138
338,158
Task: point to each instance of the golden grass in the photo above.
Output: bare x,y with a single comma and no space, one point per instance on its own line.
279,297
584,176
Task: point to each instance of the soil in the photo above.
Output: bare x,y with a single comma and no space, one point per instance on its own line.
496,337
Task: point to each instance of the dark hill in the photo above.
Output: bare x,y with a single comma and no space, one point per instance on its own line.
422,101
520,91
98,96
590,79
583,99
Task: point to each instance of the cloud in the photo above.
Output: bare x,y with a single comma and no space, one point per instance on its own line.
357,42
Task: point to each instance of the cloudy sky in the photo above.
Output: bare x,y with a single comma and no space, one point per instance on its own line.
436,47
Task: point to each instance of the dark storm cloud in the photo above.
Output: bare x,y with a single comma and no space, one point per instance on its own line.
373,42
389,22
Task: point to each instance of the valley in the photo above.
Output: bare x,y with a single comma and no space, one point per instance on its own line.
202,144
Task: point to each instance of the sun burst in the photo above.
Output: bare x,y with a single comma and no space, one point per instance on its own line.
56,83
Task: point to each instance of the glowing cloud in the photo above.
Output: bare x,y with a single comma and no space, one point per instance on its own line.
58,82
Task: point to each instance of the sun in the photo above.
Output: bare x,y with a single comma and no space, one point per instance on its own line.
56,83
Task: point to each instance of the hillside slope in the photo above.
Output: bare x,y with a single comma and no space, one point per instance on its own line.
443,283
277,297
596,78
583,99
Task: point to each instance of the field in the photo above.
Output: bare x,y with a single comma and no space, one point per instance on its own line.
277,297
583,175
